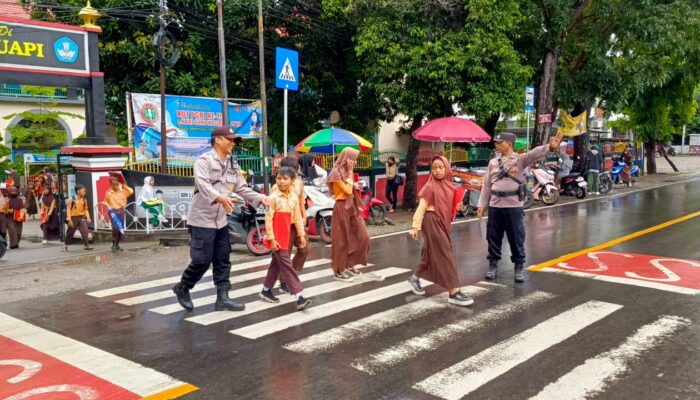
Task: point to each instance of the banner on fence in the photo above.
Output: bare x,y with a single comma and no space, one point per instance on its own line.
189,122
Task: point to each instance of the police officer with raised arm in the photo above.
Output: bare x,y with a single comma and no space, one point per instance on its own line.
503,192
216,177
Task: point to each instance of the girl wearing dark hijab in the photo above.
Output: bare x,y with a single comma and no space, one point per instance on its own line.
307,168
16,216
49,215
434,217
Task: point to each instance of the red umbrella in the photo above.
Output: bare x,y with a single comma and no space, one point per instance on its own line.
451,129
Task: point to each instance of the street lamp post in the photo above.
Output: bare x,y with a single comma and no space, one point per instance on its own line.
222,64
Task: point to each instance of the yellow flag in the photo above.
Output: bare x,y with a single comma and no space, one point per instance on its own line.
573,126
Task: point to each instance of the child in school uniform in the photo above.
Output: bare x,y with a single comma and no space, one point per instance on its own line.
434,217
282,216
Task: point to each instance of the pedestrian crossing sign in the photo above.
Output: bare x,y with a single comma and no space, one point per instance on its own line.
286,69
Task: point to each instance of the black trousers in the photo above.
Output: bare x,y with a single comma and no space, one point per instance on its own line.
510,222
392,192
207,246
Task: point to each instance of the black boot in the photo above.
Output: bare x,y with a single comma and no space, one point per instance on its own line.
491,273
519,273
223,303
183,296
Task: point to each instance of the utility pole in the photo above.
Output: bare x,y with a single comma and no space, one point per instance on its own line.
163,138
263,97
222,64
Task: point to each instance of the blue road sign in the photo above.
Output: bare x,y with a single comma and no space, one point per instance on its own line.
529,98
286,69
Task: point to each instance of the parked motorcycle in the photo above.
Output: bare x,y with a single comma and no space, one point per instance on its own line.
470,197
572,184
544,188
618,166
319,209
246,224
374,210
606,182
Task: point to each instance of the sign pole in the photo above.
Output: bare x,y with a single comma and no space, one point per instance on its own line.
263,96
129,126
222,64
286,92
163,138
527,144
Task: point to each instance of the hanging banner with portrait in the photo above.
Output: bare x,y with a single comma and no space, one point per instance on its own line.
189,122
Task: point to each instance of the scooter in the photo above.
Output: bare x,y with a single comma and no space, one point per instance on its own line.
374,210
544,188
572,184
618,166
246,224
470,198
606,182
319,209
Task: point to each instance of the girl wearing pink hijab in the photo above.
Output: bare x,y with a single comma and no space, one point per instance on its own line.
434,217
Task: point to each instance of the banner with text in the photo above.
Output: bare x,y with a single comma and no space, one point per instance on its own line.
189,122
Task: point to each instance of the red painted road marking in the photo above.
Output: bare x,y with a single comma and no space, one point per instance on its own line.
664,273
25,373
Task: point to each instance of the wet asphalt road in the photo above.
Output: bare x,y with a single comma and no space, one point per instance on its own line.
487,351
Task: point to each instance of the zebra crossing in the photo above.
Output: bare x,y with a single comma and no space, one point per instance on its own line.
443,379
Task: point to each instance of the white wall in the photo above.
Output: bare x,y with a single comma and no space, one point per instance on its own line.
389,139
74,126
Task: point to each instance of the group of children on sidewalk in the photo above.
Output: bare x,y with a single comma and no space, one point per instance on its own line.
285,228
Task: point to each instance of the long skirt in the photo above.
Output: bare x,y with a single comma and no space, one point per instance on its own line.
625,175
350,238
51,228
437,260
14,230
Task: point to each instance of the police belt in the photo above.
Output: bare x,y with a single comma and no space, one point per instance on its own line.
504,194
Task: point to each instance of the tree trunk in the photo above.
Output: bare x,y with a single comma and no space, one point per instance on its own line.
663,153
410,190
545,96
491,123
650,152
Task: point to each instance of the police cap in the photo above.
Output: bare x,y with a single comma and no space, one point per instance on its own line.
505,137
227,133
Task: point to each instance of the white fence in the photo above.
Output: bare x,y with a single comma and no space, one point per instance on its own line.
175,218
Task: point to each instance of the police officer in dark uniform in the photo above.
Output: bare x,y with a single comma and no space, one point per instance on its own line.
503,193
216,177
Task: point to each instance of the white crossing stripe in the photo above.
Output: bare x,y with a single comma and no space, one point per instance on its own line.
372,325
116,370
466,376
130,301
413,347
281,323
628,281
203,301
595,374
219,316
170,281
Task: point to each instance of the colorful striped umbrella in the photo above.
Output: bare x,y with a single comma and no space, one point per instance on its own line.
332,140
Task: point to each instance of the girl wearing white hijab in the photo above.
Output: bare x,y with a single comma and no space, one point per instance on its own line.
150,202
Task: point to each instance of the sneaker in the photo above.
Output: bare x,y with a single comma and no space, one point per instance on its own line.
344,277
353,271
416,288
491,273
162,218
44,242
302,303
268,296
374,276
519,275
597,193
460,299
283,288
114,248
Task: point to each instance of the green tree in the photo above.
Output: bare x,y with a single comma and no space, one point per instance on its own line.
424,57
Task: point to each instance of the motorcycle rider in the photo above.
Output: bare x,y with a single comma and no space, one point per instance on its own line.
502,193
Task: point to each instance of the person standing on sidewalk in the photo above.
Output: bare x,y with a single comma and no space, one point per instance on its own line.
434,217
116,200
50,225
16,216
500,192
297,189
595,164
78,217
282,222
216,177
392,184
